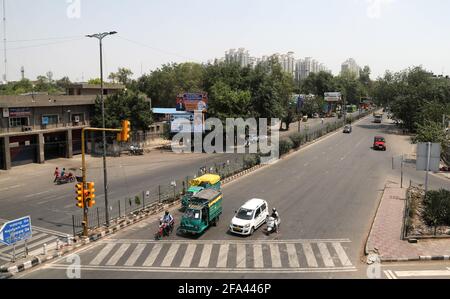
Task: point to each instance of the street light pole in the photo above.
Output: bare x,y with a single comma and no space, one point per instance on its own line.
100,37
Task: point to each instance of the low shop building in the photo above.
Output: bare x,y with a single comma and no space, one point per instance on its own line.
35,128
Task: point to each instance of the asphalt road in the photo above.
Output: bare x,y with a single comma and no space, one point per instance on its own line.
29,189
326,194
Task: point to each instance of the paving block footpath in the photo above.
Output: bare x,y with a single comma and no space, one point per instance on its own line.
385,237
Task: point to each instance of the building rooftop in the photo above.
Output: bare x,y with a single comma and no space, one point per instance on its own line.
45,101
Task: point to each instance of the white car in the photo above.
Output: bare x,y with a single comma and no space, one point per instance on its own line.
250,217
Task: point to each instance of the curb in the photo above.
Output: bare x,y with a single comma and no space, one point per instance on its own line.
416,259
151,210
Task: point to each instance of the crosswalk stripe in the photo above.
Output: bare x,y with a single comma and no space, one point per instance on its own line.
309,254
188,256
241,261
40,242
345,261
117,255
223,256
258,256
135,255
167,262
206,254
326,257
275,255
292,254
153,255
6,248
102,254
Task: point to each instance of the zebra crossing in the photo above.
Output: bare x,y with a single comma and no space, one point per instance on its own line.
35,245
218,256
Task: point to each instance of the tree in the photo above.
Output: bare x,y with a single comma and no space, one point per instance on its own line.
432,132
224,102
95,81
123,76
128,105
63,83
164,84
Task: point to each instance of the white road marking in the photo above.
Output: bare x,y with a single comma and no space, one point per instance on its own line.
250,242
310,258
118,254
167,262
345,261
326,257
206,254
11,187
422,273
241,261
258,258
135,255
223,256
188,256
275,255
102,254
292,254
206,270
46,240
35,194
153,255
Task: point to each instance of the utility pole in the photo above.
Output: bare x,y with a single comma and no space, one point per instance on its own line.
100,37
428,166
5,79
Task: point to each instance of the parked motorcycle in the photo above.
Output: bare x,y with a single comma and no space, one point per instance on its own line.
164,229
270,221
67,178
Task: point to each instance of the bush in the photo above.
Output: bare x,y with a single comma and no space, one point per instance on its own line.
251,160
297,140
437,208
286,145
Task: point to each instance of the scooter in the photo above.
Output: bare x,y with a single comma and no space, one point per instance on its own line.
162,229
270,221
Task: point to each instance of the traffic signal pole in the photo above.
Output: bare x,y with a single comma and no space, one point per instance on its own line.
84,170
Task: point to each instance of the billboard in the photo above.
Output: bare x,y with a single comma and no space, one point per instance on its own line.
19,112
333,97
180,123
191,102
422,156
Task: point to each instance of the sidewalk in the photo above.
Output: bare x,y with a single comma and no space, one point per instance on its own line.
385,235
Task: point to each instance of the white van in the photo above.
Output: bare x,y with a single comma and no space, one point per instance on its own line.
250,217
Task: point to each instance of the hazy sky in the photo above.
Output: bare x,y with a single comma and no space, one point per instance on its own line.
384,34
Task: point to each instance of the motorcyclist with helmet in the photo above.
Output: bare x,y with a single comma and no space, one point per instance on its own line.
276,216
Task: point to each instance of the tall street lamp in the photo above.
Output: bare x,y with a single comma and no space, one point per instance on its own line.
100,37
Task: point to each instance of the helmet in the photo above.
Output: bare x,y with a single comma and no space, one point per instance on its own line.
167,213
274,210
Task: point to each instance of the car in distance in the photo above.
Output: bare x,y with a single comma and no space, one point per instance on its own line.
379,143
348,129
250,217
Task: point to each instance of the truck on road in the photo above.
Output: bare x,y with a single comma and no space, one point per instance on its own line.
203,211
378,118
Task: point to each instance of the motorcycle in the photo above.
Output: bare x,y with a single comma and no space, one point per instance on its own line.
136,151
270,221
164,229
67,178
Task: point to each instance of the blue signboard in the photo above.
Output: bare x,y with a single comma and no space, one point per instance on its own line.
16,230
45,120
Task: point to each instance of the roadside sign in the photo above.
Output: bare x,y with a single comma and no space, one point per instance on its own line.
422,156
16,230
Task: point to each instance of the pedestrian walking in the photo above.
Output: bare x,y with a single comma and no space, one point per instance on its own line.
56,174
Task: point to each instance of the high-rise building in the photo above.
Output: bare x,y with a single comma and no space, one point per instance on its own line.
240,56
350,66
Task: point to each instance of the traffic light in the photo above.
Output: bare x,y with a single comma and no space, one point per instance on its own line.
80,195
124,136
90,194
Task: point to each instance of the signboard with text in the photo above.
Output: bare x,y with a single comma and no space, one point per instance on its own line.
16,230
191,102
333,97
19,112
